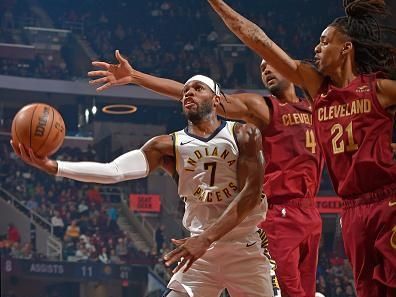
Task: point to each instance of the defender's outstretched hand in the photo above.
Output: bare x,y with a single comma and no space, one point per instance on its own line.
112,74
28,156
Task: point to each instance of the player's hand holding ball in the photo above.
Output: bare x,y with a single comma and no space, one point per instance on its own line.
38,131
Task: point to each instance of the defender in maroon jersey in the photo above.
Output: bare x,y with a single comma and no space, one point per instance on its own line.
353,115
292,173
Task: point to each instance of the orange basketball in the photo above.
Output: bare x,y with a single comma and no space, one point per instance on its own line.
40,127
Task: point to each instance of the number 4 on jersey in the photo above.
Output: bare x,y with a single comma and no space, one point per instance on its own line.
310,142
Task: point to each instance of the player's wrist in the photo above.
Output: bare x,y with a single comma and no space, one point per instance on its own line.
51,167
207,238
134,77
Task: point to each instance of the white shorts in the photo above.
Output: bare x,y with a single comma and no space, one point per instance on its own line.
241,267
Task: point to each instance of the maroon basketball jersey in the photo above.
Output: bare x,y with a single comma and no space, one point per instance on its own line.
355,133
293,161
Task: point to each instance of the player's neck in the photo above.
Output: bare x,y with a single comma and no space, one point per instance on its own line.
205,127
288,96
343,76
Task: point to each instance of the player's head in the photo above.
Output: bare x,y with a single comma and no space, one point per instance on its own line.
272,79
200,96
356,39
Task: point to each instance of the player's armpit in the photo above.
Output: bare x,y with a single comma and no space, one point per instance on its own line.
168,164
156,149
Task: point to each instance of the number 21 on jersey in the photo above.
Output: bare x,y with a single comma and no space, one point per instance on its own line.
337,131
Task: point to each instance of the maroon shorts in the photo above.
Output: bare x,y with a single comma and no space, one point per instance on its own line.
369,233
293,231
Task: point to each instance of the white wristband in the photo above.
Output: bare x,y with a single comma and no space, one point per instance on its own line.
132,165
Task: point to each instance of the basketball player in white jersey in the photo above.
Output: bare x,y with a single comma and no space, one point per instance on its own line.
220,171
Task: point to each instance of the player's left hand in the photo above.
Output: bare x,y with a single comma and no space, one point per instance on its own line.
187,252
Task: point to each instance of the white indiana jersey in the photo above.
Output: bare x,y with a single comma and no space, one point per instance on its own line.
207,170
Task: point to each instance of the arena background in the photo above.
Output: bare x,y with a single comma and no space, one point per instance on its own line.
55,232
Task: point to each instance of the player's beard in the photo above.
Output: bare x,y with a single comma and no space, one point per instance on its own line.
276,89
202,111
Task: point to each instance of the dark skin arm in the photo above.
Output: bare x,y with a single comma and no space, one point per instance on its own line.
158,152
123,73
301,74
248,107
386,92
250,176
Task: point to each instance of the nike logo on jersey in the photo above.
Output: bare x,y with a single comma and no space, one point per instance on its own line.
183,143
363,89
392,203
250,244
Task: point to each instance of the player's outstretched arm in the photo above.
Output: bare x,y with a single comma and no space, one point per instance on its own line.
123,73
248,107
250,179
131,165
300,73
245,107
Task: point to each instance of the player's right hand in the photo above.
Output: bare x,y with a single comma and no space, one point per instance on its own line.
112,74
29,157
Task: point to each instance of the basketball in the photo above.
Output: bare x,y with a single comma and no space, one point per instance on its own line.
40,127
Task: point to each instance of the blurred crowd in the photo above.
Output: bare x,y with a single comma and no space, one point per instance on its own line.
334,276
167,38
82,218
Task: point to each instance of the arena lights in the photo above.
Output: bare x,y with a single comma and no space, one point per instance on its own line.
119,109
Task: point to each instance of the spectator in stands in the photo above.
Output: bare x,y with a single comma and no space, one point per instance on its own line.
15,250
349,291
32,204
103,220
69,248
114,259
110,244
13,234
122,249
26,251
94,195
73,231
88,245
58,225
82,253
103,257
5,246
84,224
112,215
83,208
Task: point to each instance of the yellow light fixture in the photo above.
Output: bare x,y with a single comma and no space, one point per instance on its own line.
119,109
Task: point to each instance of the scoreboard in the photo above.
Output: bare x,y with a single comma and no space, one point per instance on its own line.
74,271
